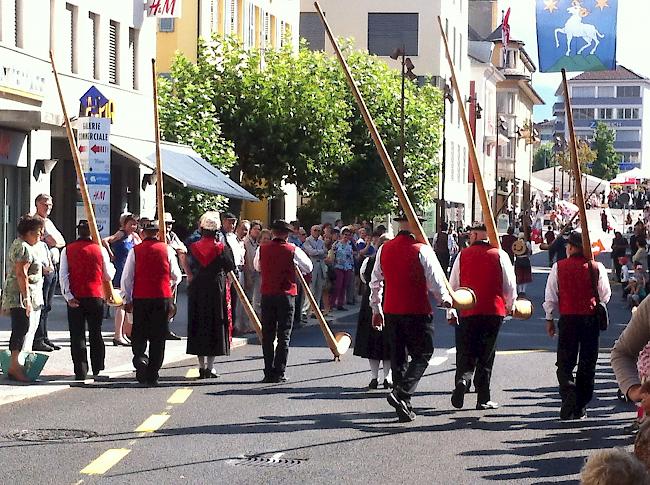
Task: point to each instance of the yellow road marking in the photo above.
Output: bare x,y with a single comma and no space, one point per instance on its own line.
105,461
152,423
519,352
179,396
192,373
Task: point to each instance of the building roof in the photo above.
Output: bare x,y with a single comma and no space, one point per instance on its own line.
473,35
621,73
497,35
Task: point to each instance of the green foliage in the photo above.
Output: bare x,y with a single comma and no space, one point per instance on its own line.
585,157
606,163
543,157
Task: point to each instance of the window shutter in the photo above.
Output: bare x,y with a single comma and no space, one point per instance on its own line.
112,53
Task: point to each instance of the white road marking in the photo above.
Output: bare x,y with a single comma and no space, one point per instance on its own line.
437,360
276,456
451,350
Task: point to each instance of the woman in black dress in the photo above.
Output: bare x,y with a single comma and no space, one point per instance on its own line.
209,317
369,342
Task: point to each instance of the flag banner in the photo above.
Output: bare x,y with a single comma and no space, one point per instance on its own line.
576,35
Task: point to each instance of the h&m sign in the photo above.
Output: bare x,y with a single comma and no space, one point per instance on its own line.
163,8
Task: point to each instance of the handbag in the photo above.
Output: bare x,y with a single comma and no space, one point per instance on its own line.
602,316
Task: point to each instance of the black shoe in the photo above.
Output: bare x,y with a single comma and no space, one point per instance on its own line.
211,374
120,343
373,384
141,366
41,347
580,413
54,346
341,309
152,382
100,378
280,378
172,336
79,377
484,406
404,410
458,396
267,380
202,373
388,384
568,407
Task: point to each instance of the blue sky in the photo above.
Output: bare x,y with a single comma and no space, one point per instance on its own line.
632,19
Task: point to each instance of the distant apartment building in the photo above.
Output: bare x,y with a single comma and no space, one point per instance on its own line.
617,98
546,130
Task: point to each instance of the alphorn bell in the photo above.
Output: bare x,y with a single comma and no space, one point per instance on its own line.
523,309
338,343
111,295
463,298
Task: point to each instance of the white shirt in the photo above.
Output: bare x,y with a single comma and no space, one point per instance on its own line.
300,259
128,273
49,229
237,247
432,272
551,303
625,274
509,281
108,271
315,248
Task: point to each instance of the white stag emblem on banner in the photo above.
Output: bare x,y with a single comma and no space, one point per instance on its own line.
574,27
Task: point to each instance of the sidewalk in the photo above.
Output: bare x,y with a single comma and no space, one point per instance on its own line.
58,373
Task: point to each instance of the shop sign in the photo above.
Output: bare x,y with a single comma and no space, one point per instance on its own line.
21,82
12,144
163,8
94,103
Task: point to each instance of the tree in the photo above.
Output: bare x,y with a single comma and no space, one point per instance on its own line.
606,163
543,157
585,157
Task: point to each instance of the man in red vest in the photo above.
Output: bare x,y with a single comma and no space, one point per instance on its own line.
489,273
571,292
406,271
277,262
150,274
85,265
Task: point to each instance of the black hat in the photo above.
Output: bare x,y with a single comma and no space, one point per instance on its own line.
83,224
479,226
281,225
401,217
575,239
151,226
228,215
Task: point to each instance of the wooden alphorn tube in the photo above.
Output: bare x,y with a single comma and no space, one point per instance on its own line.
111,295
338,343
463,298
523,309
160,194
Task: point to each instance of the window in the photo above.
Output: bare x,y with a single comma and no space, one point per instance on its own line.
453,165
19,23
583,91
606,113
454,48
133,54
510,59
71,12
628,92
606,92
250,40
232,25
583,113
388,31
464,162
94,54
274,32
113,53
166,25
312,30
460,51
628,113
282,23
267,30
629,157
506,103
628,135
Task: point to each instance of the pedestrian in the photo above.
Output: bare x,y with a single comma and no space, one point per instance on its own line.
372,343
604,221
488,272
118,246
619,250
240,321
557,249
181,255
549,236
343,267
41,344
507,240
228,237
573,289
302,302
252,277
85,266
55,242
148,279
404,274
444,246
22,294
208,297
277,262
523,268
314,247
640,257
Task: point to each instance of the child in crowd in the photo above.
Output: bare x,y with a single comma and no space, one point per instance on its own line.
635,292
614,466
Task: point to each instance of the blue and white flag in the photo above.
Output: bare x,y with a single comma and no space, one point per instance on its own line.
576,35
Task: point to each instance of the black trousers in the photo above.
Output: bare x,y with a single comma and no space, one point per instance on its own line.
277,321
443,259
150,326
476,345
90,313
409,335
578,342
49,285
19,328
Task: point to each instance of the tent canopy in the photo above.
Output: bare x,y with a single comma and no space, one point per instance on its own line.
592,182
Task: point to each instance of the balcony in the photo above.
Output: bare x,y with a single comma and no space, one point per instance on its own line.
605,102
627,145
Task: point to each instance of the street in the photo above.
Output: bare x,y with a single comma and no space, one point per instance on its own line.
323,425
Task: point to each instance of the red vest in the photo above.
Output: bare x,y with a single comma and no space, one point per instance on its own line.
152,278
405,285
480,270
277,268
576,292
85,267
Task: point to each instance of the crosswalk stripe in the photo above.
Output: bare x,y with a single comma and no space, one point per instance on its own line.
192,373
520,352
179,396
106,461
152,423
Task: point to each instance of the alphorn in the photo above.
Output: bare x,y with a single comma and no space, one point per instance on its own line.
338,343
111,295
523,309
160,200
463,298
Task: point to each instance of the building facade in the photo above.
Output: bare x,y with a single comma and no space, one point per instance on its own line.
617,98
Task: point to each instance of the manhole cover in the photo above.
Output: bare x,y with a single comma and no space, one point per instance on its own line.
51,435
262,461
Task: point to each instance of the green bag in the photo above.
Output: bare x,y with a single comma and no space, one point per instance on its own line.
33,362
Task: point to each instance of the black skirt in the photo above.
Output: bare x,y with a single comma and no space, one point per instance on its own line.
369,343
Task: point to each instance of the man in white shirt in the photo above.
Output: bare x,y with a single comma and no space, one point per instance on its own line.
314,247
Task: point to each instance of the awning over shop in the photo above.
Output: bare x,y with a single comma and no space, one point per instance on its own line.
182,164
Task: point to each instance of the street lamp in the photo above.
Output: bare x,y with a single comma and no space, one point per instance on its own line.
447,95
407,72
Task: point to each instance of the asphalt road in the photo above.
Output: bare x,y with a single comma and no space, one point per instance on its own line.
323,426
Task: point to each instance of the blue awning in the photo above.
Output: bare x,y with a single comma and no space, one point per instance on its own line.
182,164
